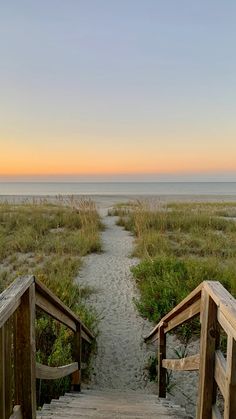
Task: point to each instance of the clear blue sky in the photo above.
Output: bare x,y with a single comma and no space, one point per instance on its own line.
118,86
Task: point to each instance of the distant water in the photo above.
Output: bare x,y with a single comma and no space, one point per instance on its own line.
118,188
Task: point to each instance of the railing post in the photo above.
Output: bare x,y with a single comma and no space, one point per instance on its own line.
2,373
230,400
25,366
8,367
209,337
6,370
161,355
76,376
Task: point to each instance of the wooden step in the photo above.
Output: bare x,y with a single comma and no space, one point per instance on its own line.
109,404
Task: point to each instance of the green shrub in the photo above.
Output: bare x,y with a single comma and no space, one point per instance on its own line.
165,281
48,240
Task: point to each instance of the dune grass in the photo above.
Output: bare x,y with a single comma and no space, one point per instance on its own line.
48,240
180,245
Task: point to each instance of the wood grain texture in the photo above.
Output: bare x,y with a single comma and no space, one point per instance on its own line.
8,367
220,371
111,404
25,377
187,302
161,372
224,323
51,298
10,298
207,356
76,376
230,390
2,373
52,373
190,363
17,320
223,299
185,315
55,312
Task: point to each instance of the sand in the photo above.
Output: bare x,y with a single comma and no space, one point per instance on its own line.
106,201
121,355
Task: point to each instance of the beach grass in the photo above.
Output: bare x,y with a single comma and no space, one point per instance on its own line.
180,245
48,240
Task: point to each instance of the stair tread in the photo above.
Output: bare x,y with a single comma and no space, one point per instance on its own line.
110,404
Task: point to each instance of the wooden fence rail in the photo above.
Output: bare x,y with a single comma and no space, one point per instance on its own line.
217,309
17,346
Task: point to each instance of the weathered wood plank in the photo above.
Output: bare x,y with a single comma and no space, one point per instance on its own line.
2,373
220,371
10,298
76,377
230,390
44,291
190,363
161,356
228,328
223,299
52,373
25,377
55,312
207,356
86,337
19,302
17,413
187,302
8,368
187,314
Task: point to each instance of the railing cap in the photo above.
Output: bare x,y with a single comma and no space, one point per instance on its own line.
223,299
10,300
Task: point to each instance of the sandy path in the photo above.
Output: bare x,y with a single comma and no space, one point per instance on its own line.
121,353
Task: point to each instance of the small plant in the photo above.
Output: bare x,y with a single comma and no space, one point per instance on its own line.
181,352
169,382
152,368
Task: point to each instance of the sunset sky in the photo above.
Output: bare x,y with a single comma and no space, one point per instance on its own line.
132,89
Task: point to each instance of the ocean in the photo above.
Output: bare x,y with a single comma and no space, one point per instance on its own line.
117,188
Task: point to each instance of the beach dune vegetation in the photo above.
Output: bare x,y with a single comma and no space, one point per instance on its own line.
179,245
47,240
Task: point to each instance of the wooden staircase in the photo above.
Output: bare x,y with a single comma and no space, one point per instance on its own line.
108,404
19,369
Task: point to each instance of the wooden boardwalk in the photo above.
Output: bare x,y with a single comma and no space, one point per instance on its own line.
108,404
19,369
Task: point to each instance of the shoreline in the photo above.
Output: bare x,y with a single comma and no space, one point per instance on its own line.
108,200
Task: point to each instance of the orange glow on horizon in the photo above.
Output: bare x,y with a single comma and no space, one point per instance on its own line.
19,158
169,166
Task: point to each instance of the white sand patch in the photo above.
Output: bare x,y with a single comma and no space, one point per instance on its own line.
121,352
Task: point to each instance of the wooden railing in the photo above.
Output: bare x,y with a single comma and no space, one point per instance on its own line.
18,368
217,309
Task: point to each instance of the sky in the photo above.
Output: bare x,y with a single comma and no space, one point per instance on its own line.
118,89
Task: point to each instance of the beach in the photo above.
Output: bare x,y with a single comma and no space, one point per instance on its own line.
104,202
121,358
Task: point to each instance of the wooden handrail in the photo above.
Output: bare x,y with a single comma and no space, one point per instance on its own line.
17,331
217,309
181,308
52,305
